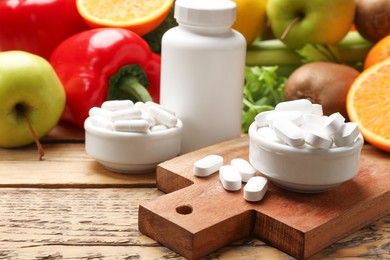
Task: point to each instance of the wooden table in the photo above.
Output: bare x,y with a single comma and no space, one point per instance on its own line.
70,207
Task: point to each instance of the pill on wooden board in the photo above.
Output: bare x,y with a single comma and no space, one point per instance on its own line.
162,116
115,105
269,134
318,140
207,165
346,135
101,121
302,105
230,178
289,132
245,169
333,123
255,188
126,114
134,125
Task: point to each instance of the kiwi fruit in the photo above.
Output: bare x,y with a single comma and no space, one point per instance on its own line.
324,83
372,19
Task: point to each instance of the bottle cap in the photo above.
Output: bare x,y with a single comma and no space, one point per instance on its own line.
205,12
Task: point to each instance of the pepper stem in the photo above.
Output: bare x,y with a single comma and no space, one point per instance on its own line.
129,82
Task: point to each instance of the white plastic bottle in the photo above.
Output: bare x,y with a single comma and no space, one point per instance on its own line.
202,72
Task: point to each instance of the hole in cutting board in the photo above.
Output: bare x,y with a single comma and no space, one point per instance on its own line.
184,209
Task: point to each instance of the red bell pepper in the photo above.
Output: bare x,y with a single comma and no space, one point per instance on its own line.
88,64
38,26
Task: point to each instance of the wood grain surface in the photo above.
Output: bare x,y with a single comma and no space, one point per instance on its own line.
69,207
205,217
102,224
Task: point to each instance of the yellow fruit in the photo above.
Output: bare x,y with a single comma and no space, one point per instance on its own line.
140,16
250,18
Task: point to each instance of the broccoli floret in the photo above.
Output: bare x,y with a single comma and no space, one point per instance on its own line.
154,37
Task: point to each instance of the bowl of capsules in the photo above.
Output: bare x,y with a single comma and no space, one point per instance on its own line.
132,137
298,148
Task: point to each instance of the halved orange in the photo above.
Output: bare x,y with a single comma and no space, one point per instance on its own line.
378,52
368,104
139,16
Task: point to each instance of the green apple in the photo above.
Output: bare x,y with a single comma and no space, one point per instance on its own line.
32,98
310,21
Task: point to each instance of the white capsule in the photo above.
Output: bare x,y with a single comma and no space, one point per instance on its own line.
230,178
245,169
158,128
207,165
139,105
346,135
99,111
333,123
135,125
289,132
101,121
294,116
318,140
148,117
302,105
126,114
151,103
255,189
162,116
269,134
115,105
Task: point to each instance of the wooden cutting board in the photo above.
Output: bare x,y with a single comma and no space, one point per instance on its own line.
198,216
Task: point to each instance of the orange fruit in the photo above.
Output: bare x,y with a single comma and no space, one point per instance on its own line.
368,104
378,52
140,16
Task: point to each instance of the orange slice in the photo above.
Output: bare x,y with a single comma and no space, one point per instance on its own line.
378,52
140,16
368,104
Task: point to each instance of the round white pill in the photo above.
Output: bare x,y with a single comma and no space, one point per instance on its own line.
269,134
302,105
347,134
333,123
289,132
255,189
230,178
207,165
245,169
294,116
318,140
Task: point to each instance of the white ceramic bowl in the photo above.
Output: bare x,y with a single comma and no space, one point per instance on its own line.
303,169
128,152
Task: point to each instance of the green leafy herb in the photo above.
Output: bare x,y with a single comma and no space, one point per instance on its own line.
319,52
263,89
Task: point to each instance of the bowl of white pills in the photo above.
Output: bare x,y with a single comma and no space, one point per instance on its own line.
298,148
132,137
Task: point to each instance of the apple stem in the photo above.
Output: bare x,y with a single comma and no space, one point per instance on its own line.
36,139
289,27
